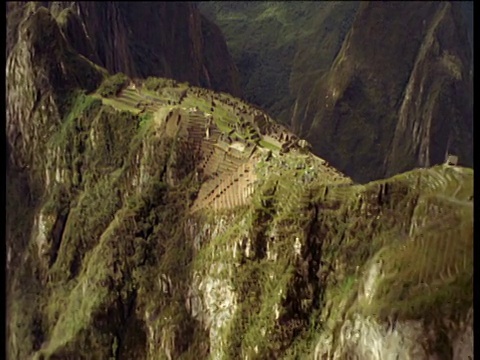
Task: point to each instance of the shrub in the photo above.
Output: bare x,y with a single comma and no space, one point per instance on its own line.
157,84
113,85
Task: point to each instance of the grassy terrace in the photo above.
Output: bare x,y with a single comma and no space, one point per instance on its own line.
225,118
128,100
268,145
118,104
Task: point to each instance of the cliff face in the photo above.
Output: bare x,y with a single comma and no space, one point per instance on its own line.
42,71
160,220
377,88
436,112
150,39
389,104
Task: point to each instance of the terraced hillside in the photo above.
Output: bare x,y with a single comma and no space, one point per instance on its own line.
227,137
182,223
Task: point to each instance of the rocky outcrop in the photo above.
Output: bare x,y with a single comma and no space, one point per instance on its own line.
436,112
42,71
146,39
393,104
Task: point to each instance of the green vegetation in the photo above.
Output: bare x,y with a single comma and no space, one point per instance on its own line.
260,283
274,46
112,85
268,145
439,270
294,62
283,301
261,53
156,84
427,275
92,270
121,105
66,70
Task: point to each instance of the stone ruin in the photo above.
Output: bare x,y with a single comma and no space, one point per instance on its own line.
452,160
226,164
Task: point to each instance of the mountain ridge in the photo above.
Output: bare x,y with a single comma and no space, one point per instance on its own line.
109,35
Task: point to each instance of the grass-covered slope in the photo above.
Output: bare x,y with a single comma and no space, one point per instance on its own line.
318,256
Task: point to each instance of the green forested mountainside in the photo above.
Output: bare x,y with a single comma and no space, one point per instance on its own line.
377,88
277,45
153,219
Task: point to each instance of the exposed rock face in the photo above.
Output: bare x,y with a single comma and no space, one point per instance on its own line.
170,40
436,112
116,248
397,96
41,72
376,88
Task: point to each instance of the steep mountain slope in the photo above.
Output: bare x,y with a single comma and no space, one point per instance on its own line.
153,219
279,45
390,104
377,88
42,72
172,40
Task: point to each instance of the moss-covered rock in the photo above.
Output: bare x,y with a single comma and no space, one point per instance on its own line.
113,85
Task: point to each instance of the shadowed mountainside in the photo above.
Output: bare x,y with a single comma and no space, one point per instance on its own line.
398,95
171,39
377,88
279,46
